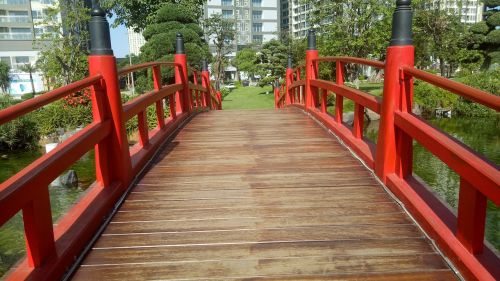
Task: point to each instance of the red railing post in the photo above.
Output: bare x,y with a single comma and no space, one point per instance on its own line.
339,100
471,217
183,99
160,114
288,81
197,93
205,83
112,154
276,93
311,69
394,147
299,90
38,229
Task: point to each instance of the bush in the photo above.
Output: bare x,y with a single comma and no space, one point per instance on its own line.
27,96
224,92
20,133
430,97
132,125
59,115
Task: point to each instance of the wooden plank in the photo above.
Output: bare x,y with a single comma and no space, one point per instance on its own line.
260,195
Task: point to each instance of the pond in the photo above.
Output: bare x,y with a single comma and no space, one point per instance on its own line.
12,245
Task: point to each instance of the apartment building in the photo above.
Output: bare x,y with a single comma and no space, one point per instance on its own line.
471,11
135,42
285,9
19,27
256,22
299,18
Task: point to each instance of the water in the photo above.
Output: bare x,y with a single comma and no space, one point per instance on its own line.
12,245
480,134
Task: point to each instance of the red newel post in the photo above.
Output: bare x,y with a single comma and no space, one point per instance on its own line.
183,97
311,69
394,147
205,83
289,77
112,154
339,100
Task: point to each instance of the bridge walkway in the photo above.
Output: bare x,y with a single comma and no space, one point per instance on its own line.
260,195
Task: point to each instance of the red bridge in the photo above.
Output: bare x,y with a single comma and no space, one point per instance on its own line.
288,194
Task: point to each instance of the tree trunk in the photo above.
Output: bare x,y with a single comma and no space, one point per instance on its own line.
32,84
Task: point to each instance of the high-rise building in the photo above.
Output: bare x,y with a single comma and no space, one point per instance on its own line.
470,11
299,18
285,8
135,42
256,22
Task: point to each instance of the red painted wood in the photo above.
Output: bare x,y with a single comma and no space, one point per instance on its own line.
359,117
366,100
138,104
205,83
117,150
288,81
473,94
397,56
136,67
160,114
181,102
471,217
324,96
483,174
14,111
311,74
339,99
374,63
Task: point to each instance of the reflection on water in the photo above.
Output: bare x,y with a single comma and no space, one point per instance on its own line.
480,134
12,245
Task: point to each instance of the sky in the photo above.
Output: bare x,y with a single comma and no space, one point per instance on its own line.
119,40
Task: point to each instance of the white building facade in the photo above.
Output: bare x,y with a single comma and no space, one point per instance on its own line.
256,22
135,42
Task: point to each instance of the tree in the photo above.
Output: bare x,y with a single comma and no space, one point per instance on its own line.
161,35
138,14
272,61
64,44
221,31
245,61
29,68
359,28
4,76
485,35
438,35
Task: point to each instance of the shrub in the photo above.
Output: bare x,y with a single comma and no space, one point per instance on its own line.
27,96
224,92
59,115
20,133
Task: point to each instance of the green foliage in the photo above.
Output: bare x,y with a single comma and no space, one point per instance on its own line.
132,125
245,61
431,97
63,58
272,60
27,96
20,133
224,92
479,28
222,33
161,34
59,115
4,76
493,37
493,20
138,14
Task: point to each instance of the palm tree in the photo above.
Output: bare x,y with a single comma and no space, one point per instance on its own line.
29,68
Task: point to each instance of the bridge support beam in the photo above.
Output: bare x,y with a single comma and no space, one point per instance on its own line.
311,70
183,97
394,147
112,154
288,81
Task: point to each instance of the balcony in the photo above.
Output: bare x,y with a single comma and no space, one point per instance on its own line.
20,19
16,36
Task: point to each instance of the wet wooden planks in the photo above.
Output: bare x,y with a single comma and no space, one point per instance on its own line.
260,195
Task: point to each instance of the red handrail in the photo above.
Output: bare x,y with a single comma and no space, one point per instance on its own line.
137,67
27,106
374,63
465,91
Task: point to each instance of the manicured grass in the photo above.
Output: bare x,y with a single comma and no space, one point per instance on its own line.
249,98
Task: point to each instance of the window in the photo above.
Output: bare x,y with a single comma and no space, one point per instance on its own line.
18,13
257,39
257,15
227,14
257,27
256,3
227,2
22,59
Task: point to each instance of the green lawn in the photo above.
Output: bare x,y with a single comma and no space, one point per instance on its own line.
249,98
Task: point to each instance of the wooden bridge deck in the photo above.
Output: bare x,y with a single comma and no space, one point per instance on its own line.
260,195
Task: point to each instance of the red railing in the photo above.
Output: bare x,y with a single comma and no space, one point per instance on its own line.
52,249
460,237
